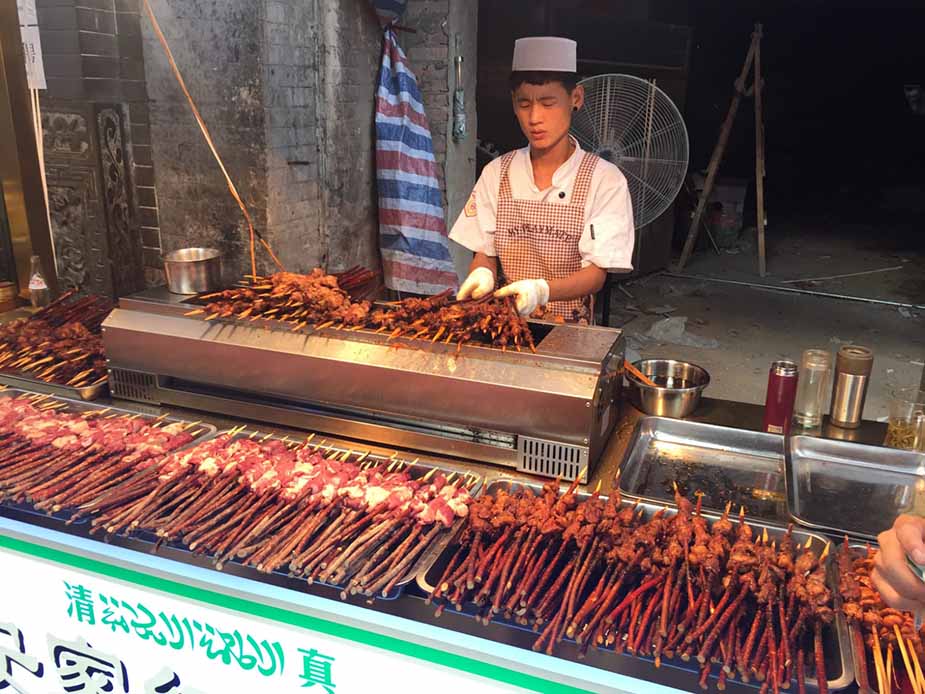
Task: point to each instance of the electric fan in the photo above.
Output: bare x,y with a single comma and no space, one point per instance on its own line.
632,123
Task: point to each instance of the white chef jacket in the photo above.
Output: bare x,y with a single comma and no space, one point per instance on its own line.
608,209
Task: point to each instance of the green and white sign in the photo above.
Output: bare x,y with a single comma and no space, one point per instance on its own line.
80,617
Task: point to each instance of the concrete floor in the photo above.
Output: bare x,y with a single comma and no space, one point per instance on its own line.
755,327
804,248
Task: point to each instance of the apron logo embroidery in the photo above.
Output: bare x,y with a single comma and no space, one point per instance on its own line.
527,229
471,209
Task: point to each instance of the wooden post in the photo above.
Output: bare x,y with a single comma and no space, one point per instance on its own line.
717,157
759,152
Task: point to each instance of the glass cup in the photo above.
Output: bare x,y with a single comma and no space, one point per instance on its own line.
812,388
906,426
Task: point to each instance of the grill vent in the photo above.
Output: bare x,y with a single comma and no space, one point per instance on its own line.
133,385
551,459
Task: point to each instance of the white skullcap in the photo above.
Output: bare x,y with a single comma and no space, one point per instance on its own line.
545,54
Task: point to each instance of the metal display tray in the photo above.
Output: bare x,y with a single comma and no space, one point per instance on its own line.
55,520
839,663
849,488
94,391
744,468
177,550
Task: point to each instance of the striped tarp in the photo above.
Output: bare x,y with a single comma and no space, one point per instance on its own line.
412,231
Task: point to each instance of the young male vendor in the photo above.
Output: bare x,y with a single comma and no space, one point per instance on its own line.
549,220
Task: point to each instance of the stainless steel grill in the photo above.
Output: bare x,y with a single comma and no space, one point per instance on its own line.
549,413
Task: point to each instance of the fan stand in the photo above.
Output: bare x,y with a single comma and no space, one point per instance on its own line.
752,58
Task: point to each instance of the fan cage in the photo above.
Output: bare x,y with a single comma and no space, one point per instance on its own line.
633,124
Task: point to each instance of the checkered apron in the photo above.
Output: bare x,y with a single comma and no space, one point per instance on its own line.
539,240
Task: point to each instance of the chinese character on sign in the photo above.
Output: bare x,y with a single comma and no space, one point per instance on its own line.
167,682
13,652
81,603
317,670
84,670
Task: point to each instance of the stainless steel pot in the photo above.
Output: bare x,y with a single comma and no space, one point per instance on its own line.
193,270
677,394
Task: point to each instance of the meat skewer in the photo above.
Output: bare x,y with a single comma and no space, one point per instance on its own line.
875,626
318,300
263,502
60,343
672,585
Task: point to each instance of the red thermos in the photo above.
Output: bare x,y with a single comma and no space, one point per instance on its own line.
782,391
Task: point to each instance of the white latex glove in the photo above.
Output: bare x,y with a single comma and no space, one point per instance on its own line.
479,283
531,294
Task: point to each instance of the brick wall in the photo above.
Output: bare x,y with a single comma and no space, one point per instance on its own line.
351,48
219,49
287,89
428,53
294,212
431,51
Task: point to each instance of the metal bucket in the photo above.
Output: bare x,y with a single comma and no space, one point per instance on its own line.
678,398
193,270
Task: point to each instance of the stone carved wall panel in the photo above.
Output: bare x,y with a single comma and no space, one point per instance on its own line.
125,244
65,134
68,209
78,222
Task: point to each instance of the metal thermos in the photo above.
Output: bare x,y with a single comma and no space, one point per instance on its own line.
853,365
782,391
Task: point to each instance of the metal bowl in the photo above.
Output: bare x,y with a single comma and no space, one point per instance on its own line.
193,270
677,395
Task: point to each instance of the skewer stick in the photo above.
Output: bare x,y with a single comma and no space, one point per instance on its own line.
430,474
889,665
918,667
639,374
878,663
192,424
825,551
909,669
